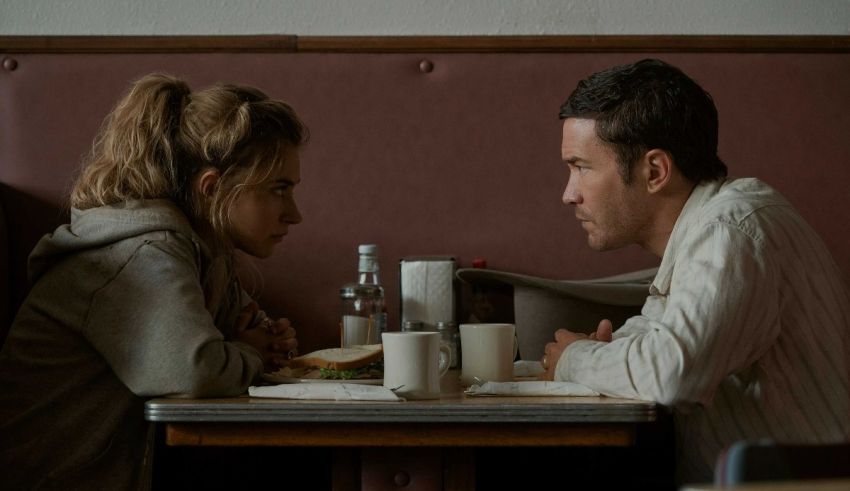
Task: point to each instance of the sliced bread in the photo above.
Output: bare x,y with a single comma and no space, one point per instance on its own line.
340,358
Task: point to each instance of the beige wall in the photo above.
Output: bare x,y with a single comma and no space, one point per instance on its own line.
424,17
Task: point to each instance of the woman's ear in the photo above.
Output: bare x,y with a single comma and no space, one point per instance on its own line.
659,169
206,184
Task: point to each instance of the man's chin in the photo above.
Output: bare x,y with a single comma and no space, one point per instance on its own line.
598,244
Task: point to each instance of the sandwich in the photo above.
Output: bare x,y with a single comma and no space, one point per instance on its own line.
354,362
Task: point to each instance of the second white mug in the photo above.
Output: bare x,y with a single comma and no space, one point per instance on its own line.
488,352
414,362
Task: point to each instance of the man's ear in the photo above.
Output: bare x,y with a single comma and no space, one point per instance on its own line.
207,182
658,169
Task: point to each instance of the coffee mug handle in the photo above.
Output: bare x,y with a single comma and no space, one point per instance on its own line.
445,358
516,346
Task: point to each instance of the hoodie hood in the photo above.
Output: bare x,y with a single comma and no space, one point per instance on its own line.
98,227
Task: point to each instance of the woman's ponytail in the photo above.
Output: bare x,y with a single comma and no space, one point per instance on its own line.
138,151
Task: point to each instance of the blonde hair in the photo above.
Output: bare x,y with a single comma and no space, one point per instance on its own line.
161,136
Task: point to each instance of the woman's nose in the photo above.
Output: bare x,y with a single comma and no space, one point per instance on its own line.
292,215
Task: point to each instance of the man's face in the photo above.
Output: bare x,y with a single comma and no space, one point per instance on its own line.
613,214
262,214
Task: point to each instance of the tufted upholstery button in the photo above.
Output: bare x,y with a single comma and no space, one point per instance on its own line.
426,66
401,479
10,64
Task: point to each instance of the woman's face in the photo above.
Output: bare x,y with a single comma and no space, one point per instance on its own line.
262,214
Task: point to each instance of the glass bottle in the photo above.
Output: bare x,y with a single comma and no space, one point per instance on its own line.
364,313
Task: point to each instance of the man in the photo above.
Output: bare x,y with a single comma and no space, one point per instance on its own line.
746,329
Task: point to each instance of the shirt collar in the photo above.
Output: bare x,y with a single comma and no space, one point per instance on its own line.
690,212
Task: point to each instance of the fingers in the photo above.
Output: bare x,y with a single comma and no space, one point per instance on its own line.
565,337
282,327
243,320
547,376
275,362
604,331
562,335
284,346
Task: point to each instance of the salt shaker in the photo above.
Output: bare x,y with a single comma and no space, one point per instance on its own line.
412,326
451,336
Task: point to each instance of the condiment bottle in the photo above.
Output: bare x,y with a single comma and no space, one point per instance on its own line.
364,313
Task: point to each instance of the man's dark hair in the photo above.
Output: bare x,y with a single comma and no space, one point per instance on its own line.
650,104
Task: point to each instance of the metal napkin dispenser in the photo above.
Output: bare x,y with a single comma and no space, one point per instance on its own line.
427,289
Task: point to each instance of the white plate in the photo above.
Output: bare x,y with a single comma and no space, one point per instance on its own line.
269,377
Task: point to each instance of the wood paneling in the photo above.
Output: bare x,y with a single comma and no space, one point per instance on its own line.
396,435
413,44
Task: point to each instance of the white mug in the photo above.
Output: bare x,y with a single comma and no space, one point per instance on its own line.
488,352
414,362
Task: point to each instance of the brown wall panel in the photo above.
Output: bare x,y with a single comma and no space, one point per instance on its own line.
461,160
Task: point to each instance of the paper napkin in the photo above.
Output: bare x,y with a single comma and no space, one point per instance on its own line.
333,392
530,388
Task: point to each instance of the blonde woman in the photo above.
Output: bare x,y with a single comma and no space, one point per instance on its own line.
137,297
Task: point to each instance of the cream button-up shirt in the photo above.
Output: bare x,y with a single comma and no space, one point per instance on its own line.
745,333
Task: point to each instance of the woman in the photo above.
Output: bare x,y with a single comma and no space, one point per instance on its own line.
137,296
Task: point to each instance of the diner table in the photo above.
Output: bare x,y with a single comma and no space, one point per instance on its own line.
371,439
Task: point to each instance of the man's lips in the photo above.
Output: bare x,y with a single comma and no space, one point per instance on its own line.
581,216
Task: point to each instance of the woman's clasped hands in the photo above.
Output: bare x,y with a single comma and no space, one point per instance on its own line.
274,339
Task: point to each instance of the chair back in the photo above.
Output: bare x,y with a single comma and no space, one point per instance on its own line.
746,462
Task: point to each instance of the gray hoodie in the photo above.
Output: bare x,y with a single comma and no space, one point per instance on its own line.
116,314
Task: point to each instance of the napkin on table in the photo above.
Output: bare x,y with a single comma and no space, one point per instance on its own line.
530,388
333,392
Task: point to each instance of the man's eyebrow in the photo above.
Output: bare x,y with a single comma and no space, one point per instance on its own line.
573,159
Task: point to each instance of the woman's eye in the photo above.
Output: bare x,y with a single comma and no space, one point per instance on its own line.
280,190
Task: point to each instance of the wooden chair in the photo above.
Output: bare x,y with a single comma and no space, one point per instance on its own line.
746,462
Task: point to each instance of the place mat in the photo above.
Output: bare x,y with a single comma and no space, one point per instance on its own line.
325,391
530,388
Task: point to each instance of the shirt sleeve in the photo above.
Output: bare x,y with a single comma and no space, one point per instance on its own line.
151,325
720,315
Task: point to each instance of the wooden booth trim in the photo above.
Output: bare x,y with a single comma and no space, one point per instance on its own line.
418,44
146,44
574,43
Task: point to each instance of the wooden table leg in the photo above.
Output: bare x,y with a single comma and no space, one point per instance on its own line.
345,469
458,469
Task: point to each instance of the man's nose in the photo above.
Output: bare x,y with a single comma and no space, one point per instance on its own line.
571,195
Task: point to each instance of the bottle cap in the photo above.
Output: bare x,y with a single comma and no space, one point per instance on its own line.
367,249
479,263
